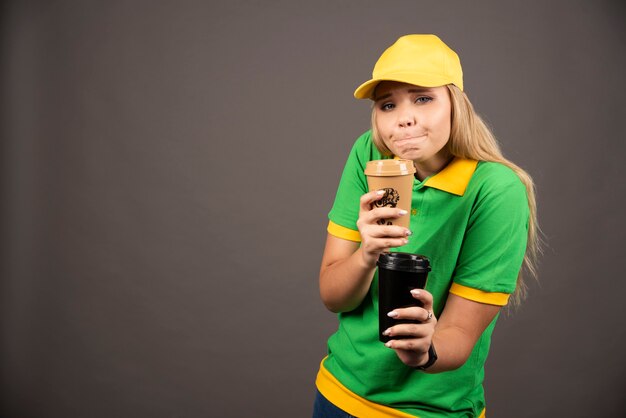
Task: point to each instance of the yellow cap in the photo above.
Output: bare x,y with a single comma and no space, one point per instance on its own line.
421,60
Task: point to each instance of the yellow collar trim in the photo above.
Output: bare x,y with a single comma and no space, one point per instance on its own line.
455,177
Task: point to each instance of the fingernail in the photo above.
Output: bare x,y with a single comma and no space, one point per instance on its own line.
403,212
409,232
393,314
415,292
386,332
380,192
388,344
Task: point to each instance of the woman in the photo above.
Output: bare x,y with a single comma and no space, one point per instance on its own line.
473,216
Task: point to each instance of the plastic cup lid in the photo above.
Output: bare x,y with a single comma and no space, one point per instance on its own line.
404,262
389,168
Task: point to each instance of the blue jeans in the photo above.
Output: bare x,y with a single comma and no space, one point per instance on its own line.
323,408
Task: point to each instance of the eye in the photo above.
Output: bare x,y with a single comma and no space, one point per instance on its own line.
387,106
423,99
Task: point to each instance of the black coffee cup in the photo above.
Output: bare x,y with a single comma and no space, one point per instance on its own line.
398,274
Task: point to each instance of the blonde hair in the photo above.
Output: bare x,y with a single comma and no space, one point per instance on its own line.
471,138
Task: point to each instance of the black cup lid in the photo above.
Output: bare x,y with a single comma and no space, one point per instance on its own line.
404,262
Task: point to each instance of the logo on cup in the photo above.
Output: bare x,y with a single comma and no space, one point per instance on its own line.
389,199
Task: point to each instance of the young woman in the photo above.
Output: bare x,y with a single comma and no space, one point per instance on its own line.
473,216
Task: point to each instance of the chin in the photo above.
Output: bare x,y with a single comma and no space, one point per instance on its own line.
409,155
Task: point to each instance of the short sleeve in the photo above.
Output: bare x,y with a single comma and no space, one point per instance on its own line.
353,184
495,240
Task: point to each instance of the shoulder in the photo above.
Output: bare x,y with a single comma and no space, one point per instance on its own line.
492,175
497,184
364,149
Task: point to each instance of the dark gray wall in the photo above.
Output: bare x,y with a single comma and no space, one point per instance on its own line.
167,168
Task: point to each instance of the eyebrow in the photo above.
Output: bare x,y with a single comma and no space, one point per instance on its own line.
411,90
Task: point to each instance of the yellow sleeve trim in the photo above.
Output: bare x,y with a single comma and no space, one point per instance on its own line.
350,402
343,232
490,298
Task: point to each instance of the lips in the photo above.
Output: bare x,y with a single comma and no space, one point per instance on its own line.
416,136
409,139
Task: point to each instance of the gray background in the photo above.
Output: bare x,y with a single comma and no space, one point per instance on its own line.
167,169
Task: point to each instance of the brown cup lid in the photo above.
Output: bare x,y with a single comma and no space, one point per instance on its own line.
384,168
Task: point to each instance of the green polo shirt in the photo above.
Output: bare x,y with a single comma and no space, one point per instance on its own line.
471,220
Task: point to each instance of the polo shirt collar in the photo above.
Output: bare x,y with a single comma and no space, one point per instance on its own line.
455,177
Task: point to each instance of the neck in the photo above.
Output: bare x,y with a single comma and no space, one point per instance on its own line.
433,166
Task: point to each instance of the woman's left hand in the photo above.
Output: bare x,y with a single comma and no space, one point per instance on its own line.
415,339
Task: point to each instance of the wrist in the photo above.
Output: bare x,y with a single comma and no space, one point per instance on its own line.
367,261
431,358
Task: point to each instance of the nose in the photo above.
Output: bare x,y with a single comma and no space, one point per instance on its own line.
406,119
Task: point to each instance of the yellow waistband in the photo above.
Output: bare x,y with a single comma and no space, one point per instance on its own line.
352,403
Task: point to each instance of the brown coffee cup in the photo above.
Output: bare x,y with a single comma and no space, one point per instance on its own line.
395,177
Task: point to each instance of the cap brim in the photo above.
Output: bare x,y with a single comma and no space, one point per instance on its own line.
366,90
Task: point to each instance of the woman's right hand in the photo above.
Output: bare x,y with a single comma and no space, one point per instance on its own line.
376,238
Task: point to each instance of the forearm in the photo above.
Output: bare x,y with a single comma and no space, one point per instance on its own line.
344,283
348,266
453,347
457,331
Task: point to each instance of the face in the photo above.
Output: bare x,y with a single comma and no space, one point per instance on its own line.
414,123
